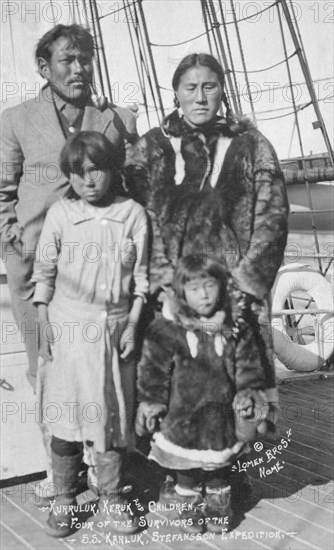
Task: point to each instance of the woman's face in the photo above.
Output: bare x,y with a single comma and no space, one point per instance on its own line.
199,94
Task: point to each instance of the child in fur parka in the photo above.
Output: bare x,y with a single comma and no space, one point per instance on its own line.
202,390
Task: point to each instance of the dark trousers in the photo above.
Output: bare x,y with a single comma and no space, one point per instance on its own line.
19,267
193,478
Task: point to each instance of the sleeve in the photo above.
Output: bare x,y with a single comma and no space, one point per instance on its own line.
129,124
131,135
155,366
249,370
256,401
140,238
11,156
47,254
257,270
139,171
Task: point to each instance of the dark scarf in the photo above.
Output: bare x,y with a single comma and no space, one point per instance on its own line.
176,126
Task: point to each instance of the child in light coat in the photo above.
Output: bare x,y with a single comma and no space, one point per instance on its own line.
91,280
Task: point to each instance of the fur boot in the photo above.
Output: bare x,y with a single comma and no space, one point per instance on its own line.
65,478
113,506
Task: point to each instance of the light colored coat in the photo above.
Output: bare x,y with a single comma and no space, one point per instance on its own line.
89,262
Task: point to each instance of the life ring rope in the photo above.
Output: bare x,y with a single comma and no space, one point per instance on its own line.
295,356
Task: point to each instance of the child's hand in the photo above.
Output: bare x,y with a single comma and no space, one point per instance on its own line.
44,351
46,336
128,341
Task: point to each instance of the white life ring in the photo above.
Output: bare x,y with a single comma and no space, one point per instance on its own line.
295,356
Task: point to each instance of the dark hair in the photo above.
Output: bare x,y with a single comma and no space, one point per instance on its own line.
234,126
78,36
193,60
94,145
198,266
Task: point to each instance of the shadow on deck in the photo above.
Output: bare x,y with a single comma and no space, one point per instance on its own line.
290,508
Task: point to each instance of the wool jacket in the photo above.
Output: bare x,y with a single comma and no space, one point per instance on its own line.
212,192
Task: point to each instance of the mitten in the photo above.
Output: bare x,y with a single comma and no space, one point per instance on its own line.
148,416
140,422
155,414
251,409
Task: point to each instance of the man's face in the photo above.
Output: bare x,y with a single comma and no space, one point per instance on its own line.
69,71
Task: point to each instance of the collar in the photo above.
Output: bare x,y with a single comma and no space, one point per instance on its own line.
175,125
78,211
61,103
211,325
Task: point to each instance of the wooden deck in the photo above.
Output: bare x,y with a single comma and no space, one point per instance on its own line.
292,502
291,506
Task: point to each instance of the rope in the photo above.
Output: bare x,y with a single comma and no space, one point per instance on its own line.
205,19
288,114
243,60
272,66
210,17
308,191
52,11
300,107
142,61
266,90
206,32
231,59
71,16
78,12
86,14
116,11
12,41
150,55
98,61
178,43
254,14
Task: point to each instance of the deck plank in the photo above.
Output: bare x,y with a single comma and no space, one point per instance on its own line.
290,509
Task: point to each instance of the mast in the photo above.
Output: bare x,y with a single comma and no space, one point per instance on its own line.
100,46
150,54
221,53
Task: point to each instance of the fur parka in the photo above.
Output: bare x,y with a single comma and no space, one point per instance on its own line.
213,193
220,192
197,379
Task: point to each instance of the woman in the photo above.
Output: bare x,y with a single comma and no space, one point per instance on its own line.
213,186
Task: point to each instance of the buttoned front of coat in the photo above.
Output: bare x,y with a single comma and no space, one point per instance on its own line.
89,262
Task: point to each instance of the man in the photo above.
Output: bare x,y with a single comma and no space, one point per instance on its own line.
32,137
